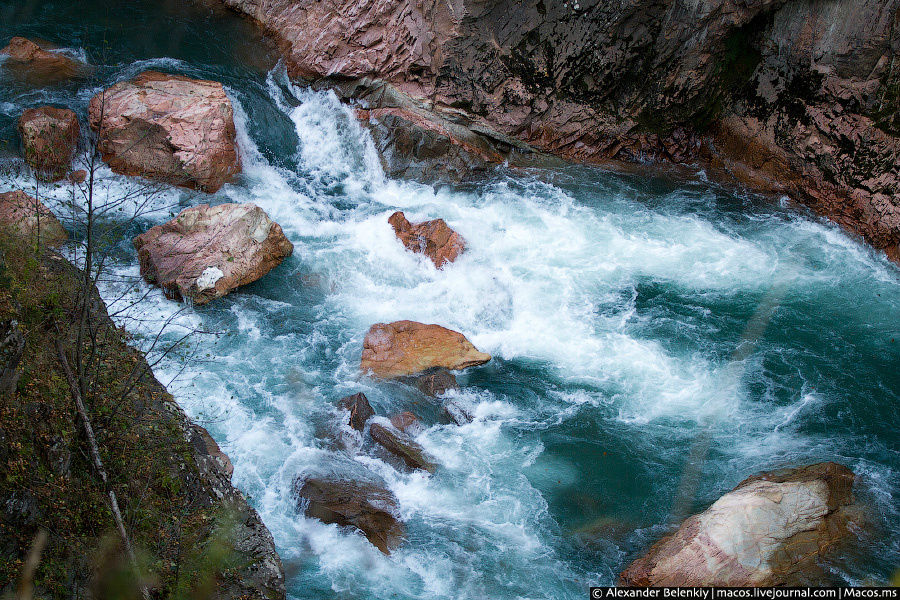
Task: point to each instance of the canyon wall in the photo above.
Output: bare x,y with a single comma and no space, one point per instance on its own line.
796,97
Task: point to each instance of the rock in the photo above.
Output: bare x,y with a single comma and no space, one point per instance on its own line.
49,136
205,252
814,85
30,219
434,382
12,345
408,423
405,348
169,128
366,507
78,176
431,238
208,449
402,446
456,412
769,531
35,65
360,410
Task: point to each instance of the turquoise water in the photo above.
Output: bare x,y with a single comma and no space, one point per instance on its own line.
656,340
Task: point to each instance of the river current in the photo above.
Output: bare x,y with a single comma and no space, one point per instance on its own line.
656,339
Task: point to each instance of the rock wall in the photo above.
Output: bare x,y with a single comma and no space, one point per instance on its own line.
789,96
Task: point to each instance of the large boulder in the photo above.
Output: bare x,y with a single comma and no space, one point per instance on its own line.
402,348
408,423
168,127
35,65
30,219
770,530
434,238
365,506
207,251
402,446
359,408
433,382
49,137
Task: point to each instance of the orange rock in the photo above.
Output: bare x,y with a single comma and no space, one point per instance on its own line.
431,238
407,347
37,66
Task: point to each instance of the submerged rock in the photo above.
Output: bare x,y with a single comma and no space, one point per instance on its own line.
365,506
408,423
30,219
49,136
360,410
434,382
169,128
431,238
406,347
769,531
457,412
205,252
402,446
35,65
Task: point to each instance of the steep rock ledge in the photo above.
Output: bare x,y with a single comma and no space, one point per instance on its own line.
194,532
788,96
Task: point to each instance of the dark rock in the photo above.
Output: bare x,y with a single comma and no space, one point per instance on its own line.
360,410
457,413
434,382
12,344
78,176
38,66
365,506
402,446
408,423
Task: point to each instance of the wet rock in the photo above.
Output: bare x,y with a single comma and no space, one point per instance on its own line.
38,66
169,128
205,252
406,347
360,410
365,506
408,423
30,219
208,449
431,238
457,412
769,531
78,176
402,446
49,136
434,382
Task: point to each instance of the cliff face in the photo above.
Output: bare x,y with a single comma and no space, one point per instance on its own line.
194,533
791,96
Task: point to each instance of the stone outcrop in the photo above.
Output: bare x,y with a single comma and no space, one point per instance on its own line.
769,531
431,238
49,137
365,506
205,252
35,65
405,348
30,219
169,128
401,446
800,95
360,410
457,412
